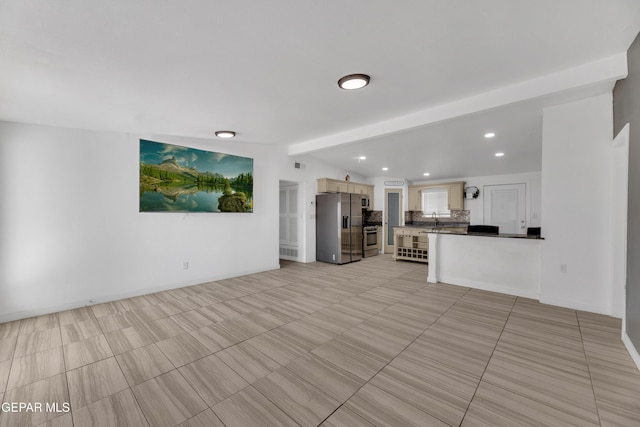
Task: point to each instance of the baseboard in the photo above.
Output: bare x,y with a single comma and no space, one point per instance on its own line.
576,305
114,297
491,287
633,352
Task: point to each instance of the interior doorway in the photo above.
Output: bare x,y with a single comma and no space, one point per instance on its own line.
505,206
392,216
291,221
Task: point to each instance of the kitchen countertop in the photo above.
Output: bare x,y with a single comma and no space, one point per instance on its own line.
442,229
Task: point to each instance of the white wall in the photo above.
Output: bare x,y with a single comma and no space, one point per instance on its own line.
70,230
378,192
619,212
576,204
476,206
506,265
308,175
532,181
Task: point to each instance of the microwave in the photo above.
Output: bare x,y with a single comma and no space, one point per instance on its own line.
365,202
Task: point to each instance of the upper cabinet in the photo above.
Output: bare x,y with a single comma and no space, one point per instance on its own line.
455,195
359,188
328,185
415,198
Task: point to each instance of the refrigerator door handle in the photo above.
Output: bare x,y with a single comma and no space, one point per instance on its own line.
345,221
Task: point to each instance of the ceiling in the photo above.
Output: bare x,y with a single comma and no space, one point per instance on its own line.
268,70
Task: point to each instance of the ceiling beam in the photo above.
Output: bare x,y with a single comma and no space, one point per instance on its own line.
605,70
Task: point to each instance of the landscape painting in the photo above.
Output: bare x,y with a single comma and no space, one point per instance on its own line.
182,179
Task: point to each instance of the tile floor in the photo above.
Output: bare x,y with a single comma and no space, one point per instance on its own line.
364,344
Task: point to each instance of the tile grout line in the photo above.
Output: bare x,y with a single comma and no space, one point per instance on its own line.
15,347
489,360
276,327
586,359
66,378
401,351
135,398
306,353
130,388
225,286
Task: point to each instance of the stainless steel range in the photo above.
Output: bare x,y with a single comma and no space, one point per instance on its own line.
370,240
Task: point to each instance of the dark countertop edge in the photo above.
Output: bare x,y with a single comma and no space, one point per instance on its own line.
431,224
464,233
370,223
508,236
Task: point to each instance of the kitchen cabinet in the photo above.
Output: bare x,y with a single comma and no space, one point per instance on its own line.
370,194
328,185
359,189
415,198
411,244
455,195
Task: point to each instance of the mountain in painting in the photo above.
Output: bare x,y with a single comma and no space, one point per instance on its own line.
170,171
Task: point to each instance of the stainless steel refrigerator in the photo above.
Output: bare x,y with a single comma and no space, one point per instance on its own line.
338,227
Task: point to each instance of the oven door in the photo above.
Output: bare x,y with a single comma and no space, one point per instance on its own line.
370,242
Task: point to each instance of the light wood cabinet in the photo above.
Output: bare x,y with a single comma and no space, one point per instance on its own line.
359,189
455,192
328,185
456,196
370,194
415,198
411,244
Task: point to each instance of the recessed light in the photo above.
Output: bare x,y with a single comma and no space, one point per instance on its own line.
354,81
225,134
362,158
499,154
489,135
426,174
385,169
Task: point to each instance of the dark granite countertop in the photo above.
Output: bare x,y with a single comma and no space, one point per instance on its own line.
438,224
371,223
442,229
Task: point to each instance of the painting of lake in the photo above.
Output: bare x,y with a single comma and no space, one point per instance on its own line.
182,179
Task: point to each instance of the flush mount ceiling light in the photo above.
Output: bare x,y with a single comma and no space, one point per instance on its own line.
489,134
385,169
354,81
426,174
499,154
225,134
361,157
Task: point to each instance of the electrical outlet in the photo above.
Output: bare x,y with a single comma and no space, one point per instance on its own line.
563,268
185,265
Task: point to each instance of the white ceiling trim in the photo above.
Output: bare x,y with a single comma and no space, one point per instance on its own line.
598,72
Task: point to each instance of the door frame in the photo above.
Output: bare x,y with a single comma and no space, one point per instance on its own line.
389,249
522,197
301,226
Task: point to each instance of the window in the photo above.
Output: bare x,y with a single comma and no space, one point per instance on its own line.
435,200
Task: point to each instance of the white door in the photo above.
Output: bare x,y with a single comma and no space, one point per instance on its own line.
505,206
289,222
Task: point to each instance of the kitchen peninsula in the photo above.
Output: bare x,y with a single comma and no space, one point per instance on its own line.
507,263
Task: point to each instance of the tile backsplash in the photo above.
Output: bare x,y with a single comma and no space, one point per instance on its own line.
372,217
411,217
